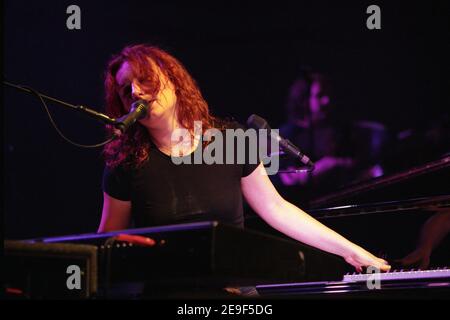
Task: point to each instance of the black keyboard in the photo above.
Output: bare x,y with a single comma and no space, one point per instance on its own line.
204,252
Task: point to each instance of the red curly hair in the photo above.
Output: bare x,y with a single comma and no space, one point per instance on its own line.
132,147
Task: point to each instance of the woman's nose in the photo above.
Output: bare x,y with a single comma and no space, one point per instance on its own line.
136,90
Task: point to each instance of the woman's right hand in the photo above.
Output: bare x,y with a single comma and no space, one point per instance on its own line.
419,258
328,163
294,178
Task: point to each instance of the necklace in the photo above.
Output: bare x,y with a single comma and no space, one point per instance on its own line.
180,149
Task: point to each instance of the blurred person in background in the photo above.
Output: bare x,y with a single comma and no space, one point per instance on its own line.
344,151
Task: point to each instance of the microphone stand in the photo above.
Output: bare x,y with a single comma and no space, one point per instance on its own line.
92,113
116,123
281,153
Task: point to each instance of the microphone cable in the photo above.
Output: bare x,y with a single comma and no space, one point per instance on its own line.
52,121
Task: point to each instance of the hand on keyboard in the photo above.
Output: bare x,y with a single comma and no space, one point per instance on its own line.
361,258
418,258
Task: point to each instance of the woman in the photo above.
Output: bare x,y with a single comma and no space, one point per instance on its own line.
345,151
142,181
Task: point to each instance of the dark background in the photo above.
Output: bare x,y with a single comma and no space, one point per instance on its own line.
244,57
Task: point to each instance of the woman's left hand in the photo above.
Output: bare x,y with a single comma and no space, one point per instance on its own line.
360,258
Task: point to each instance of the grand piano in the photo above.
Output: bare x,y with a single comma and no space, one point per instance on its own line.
386,216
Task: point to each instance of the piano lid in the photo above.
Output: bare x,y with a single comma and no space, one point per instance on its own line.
428,180
430,204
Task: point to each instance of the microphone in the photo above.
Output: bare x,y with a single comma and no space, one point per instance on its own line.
256,122
138,111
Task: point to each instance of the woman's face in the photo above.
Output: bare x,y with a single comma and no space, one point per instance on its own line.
317,99
131,89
